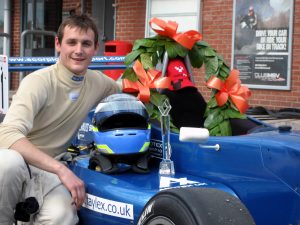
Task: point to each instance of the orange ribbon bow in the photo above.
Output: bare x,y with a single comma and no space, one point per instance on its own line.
169,29
147,80
231,87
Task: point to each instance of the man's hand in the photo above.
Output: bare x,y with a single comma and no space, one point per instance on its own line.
39,159
73,184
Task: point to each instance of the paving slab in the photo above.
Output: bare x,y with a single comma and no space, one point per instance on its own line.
294,123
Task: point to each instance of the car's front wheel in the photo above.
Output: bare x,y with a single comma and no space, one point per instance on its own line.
195,206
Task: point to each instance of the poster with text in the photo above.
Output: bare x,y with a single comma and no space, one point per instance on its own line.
262,39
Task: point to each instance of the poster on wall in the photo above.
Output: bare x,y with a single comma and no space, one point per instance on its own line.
262,42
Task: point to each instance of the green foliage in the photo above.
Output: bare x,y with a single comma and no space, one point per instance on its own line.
196,57
129,59
146,61
148,43
130,75
150,51
171,49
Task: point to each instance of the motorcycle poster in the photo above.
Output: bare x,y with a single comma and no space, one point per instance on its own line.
262,42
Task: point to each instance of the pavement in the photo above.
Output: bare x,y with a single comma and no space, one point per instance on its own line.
293,122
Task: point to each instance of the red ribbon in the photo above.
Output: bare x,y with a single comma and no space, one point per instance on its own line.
232,88
169,29
147,80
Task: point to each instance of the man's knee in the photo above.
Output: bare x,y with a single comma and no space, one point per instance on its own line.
12,167
58,208
63,216
13,173
11,161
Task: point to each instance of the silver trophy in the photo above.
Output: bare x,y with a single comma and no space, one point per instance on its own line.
166,166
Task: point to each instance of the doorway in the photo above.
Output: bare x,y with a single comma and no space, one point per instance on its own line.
103,12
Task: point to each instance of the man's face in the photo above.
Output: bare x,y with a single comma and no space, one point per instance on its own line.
76,49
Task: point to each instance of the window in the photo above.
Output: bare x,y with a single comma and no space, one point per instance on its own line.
186,13
39,21
34,15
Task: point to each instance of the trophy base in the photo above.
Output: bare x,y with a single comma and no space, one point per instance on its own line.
166,167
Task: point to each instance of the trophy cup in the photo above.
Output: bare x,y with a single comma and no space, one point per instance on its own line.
166,166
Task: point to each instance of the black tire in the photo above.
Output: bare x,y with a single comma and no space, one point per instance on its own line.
195,206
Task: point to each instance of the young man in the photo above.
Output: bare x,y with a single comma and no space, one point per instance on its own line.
46,111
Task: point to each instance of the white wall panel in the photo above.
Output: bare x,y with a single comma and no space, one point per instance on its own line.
184,12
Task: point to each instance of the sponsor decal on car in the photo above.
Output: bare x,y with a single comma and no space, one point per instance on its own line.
171,182
108,207
155,148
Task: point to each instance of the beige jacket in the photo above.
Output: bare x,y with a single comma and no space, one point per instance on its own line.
50,106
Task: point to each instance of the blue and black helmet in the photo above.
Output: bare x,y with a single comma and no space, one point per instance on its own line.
121,126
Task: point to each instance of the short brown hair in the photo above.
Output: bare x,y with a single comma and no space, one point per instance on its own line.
83,22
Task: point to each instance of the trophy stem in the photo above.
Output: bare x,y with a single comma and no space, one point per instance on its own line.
166,166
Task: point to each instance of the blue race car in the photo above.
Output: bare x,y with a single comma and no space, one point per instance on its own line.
248,178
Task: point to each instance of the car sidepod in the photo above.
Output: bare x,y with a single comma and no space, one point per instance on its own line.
261,168
120,198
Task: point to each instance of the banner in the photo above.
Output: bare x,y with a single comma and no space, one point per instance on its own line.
262,42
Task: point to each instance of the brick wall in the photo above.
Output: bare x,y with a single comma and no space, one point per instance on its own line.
130,21
71,5
76,4
217,31
15,40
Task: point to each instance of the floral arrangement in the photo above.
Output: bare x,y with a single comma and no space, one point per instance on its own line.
228,97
